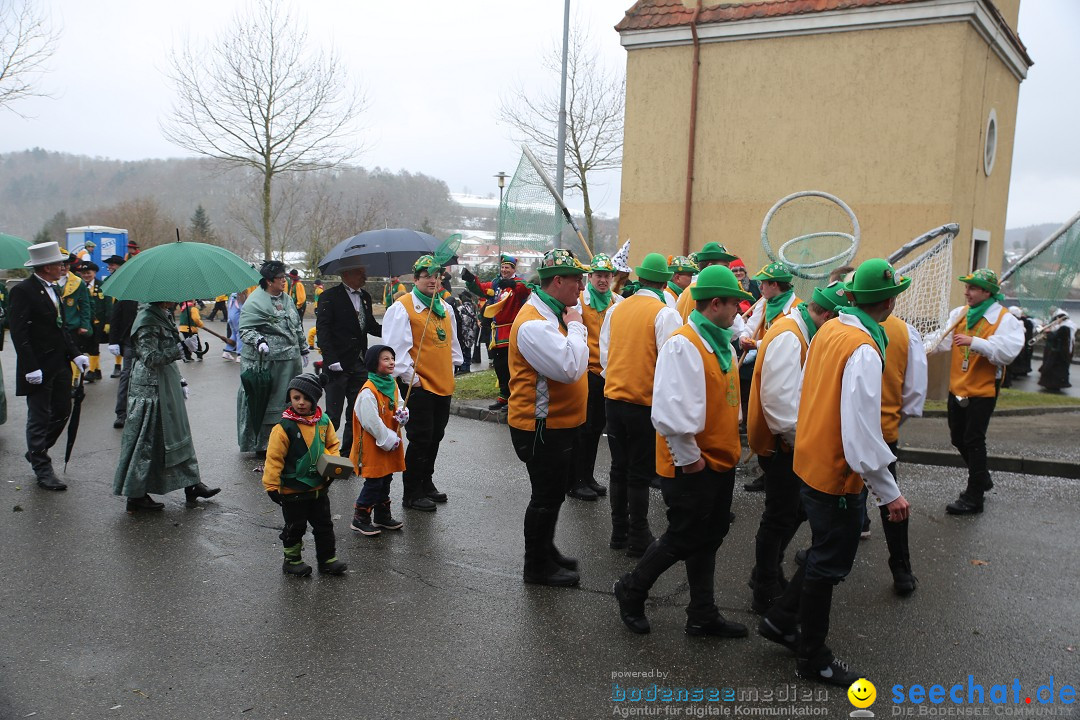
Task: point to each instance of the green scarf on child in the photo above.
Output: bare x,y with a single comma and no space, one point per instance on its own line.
386,385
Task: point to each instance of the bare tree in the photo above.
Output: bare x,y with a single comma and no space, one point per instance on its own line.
594,117
27,41
257,98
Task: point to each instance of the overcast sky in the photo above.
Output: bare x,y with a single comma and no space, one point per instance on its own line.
433,72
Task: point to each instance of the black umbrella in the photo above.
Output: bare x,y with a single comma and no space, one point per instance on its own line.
77,395
385,253
257,382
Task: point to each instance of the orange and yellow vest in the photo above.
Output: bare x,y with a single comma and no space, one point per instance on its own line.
370,460
979,377
632,352
436,372
534,397
758,435
819,448
892,379
719,441
593,322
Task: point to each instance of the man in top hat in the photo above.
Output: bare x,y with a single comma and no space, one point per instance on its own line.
630,338
695,412
505,295
44,349
711,253
342,325
983,338
99,317
682,270
595,301
298,293
422,330
771,421
548,357
840,456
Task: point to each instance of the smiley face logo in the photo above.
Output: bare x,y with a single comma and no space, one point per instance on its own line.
862,693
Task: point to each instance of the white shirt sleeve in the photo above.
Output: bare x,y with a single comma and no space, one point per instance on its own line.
738,325
860,425
678,410
605,339
367,411
456,358
558,358
781,376
1005,344
667,321
913,394
757,316
397,333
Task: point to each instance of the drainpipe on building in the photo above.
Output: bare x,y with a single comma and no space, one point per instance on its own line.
692,131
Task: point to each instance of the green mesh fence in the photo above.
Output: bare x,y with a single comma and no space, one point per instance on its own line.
1048,274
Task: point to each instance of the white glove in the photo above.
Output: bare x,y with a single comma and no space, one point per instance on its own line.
335,367
34,378
263,348
402,415
82,362
304,358
114,349
191,343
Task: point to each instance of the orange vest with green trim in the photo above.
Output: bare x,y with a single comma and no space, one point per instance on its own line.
719,441
534,397
819,448
436,366
971,374
632,350
758,435
892,379
370,460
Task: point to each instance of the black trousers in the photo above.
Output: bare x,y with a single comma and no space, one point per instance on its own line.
548,457
967,430
341,392
588,438
779,520
309,508
219,306
428,415
47,409
632,441
500,357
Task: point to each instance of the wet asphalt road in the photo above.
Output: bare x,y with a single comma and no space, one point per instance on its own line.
185,613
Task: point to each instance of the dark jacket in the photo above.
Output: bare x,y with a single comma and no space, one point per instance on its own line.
341,338
40,342
123,317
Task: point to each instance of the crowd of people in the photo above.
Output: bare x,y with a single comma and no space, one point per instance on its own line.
673,366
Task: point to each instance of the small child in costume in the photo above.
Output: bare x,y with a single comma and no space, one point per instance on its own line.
292,481
377,415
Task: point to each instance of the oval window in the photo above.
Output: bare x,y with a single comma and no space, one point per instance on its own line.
990,148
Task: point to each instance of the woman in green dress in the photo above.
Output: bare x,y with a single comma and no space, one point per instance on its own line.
273,336
157,454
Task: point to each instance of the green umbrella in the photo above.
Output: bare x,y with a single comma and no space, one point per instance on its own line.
13,252
180,271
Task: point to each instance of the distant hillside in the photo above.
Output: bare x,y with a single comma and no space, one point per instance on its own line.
47,190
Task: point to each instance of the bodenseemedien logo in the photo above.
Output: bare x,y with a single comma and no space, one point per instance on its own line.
862,694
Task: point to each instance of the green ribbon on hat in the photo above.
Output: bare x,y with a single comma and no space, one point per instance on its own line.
774,306
718,338
432,302
877,333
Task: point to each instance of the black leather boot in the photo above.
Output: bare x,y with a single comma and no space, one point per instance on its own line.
633,588
896,538
193,492
145,502
540,567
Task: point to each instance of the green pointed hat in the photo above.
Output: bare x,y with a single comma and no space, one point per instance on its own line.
718,281
876,280
601,263
713,251
832,296
560,262
654,268
775,272
984,278
681,264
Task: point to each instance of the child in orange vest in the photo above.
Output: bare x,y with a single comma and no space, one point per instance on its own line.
377,415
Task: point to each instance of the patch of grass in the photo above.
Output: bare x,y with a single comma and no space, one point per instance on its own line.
480,385
1010,399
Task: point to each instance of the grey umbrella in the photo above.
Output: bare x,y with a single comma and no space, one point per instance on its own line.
385,253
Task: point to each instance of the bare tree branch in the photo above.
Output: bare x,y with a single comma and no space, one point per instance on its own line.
27,41
258,98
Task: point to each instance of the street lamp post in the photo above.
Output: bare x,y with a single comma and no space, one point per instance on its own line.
501,177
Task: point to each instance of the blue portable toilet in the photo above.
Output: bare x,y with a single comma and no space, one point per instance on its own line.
107,241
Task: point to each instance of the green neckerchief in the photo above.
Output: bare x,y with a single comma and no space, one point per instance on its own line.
674,288
719,338
775,305
432,302
873,327
556,306
305,466
811,326
600,301
386,385
655,291
976,312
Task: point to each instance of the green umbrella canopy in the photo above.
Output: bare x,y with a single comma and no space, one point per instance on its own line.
180,271
13,252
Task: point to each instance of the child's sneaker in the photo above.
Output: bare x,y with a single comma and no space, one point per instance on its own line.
384,519
296,567
361,522
333,566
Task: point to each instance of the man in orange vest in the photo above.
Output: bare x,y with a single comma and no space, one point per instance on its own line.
839,456
682,270
632,334
983,339
422,330
595,301
770,431
548,359
695,412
